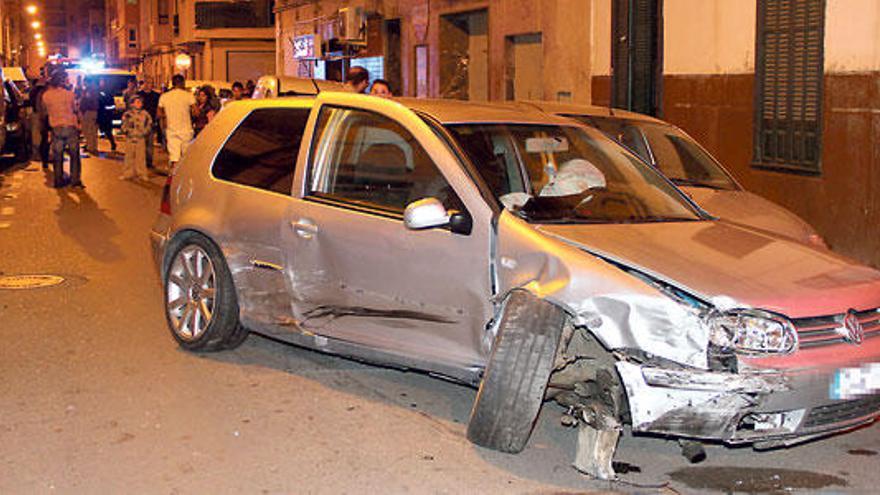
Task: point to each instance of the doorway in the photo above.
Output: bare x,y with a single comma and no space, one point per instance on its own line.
637,55
524,67
464,55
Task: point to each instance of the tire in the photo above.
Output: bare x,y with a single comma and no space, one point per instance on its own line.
201,307
515,380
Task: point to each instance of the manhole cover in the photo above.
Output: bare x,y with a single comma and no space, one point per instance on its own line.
29,281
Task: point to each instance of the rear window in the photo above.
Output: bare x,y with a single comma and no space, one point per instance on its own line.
262,151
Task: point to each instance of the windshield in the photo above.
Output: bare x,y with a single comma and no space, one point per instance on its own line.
566,174
676,154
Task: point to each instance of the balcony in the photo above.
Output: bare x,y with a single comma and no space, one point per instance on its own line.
232,15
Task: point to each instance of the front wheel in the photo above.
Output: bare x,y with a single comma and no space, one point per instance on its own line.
515,380
200,302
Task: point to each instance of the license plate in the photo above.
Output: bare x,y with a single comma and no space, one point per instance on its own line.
852,383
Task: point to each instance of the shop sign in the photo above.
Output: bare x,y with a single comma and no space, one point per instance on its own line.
304,46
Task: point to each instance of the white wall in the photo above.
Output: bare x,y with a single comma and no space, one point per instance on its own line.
709,36
852,35
601,37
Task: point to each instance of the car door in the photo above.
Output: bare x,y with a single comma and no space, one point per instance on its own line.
356,272
255,169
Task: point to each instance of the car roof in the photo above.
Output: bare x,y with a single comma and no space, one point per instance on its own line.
561,108
472,112
445,111
14,74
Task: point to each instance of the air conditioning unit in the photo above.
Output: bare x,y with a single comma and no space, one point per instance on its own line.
352,25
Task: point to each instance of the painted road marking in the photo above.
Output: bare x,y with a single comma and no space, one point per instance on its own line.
7,211
4,225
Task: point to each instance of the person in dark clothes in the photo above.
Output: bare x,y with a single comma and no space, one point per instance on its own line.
40,124
150,99
106,107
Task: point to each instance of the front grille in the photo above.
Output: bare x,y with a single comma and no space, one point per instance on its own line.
842,411
827,330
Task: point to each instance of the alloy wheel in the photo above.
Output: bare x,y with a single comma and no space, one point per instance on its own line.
190,292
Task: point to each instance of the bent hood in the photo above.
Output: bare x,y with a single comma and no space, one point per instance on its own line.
715,260
749,209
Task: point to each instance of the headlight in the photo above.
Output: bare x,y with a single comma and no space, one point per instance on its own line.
752,331
12,126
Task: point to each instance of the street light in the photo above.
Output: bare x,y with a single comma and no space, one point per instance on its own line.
182,62
31,9
40,43
35,24
38,36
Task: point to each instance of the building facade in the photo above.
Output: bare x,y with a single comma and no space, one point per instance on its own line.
222,40
123,33
786,94
467,49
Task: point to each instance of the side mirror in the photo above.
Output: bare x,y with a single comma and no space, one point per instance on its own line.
430,212
425,214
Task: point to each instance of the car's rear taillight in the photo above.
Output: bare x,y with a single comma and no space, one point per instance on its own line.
165,206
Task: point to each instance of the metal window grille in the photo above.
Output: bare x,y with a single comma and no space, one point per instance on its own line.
788,84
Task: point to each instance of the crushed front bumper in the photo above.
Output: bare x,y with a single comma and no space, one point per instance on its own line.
768,408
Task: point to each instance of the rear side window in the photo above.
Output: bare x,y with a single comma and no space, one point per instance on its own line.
262,151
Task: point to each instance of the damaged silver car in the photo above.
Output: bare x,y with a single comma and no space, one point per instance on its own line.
524,254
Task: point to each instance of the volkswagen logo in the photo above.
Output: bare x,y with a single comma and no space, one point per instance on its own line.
852,329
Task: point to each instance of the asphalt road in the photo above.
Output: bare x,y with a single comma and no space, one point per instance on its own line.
95,396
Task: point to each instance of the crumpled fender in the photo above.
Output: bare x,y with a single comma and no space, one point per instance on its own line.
622,311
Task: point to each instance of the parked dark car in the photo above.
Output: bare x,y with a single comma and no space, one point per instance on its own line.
14,131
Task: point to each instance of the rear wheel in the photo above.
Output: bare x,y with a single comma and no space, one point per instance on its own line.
200,302
516,377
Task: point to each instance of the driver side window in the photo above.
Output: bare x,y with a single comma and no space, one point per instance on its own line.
367,159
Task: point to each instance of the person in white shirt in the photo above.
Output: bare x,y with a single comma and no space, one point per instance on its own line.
175,112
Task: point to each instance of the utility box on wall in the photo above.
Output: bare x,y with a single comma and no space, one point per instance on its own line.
352,25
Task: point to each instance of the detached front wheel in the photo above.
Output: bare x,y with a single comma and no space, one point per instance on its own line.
200,302
515,380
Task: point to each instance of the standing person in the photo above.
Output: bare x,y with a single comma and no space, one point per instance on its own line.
249,88
106,107
60,104
381,88
150,99
357,79
88,106
130,92
237,91
39,124
205,108
175,110
136,126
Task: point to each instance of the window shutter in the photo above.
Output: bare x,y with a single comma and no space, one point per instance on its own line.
789,73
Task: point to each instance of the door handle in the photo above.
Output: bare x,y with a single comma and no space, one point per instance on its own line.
304,228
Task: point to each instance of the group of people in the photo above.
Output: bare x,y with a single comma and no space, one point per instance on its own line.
60,111
357,80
